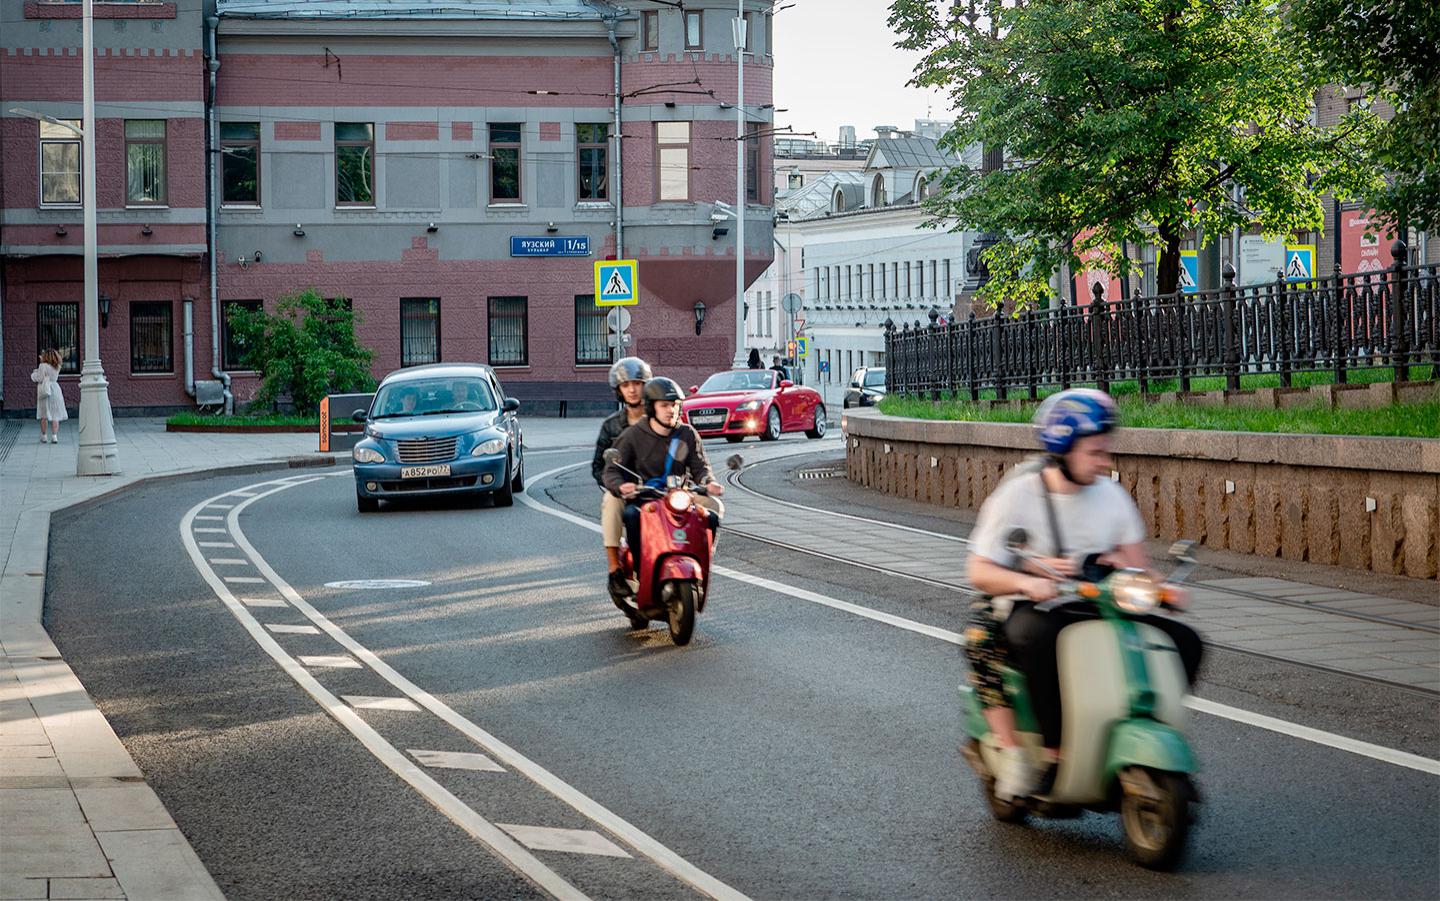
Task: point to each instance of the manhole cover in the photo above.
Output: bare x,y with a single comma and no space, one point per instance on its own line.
378,583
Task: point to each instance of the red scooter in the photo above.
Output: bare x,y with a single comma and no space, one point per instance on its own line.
673,576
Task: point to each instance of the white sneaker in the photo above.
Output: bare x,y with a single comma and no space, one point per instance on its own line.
1014,777
54,439
44,439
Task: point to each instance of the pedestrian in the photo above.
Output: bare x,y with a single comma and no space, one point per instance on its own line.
49,402
754,361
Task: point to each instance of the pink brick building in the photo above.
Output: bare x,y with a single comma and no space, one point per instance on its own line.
389,160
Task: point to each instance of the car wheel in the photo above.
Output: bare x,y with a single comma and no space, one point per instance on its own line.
366,504
517,484
817,430
505,495
734,439
772,426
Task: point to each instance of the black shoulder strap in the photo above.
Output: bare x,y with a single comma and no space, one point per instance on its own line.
1050,512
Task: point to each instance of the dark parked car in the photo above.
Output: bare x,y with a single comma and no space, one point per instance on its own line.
441,429
867,386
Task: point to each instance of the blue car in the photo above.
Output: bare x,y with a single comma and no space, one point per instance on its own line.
441,429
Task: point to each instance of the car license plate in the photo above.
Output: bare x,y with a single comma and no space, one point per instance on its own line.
707,422
424,472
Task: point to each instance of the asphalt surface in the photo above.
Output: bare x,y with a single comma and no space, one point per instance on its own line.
791,751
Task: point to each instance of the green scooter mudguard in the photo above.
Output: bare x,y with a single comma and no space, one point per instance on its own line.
975,724
1148,743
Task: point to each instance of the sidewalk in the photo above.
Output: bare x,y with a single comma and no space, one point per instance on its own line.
76,817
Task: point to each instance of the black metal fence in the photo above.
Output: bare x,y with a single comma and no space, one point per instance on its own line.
1386,318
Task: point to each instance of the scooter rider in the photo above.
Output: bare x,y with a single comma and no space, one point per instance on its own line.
628,376
1084,525
659,446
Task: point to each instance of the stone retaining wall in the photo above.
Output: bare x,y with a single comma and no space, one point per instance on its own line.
1366,503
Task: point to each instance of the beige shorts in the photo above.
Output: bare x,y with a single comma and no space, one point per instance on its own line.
611,509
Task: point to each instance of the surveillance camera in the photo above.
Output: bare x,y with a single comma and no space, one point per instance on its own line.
718,217
256,256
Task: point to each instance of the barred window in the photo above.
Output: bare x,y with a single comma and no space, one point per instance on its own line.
592,332
145,162
152,336
232,354
58,329
509,331
419,331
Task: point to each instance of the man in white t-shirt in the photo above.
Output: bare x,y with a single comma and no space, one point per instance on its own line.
1083,524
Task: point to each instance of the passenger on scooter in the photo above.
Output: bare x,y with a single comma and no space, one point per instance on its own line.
627,377
1084,525
657,447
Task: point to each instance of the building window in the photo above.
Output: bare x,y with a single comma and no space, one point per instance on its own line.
795,181
509,331
152,337
419,331
240,163
58,329
59,164
592,146
650,30
879,191
883,284
505,162
592,332
949,286
145,162
752,162
919,278
870,281
752,36
354,164
694,33
673,157
232,354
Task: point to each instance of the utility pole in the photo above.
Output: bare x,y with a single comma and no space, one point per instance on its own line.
738,27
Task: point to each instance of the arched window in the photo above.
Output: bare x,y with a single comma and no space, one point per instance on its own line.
922,188
837,203
878,192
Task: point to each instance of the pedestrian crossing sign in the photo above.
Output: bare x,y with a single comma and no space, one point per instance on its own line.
802,347
1299,262
617,283
1189,271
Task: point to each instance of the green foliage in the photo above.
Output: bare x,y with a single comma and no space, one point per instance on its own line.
305,349
1391,48
1119,118
263,419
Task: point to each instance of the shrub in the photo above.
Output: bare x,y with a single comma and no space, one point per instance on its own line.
306,348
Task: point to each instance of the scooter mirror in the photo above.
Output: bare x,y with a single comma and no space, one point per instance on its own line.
1017,539
735,462
611,455
1183,551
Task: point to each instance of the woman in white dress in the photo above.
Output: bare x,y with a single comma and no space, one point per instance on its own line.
49,402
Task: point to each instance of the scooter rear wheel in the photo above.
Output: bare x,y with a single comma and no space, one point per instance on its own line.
682,612
1156,823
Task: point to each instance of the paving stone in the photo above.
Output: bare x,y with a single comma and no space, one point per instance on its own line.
46,835
84,889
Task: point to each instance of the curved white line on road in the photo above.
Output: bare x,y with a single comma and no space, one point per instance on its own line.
1224,711
648,847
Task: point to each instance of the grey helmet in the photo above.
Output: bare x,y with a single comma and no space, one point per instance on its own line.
629,369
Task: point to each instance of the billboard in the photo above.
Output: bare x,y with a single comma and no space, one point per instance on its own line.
1364,246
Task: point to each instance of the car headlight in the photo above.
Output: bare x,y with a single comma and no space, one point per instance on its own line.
679,501
487,447
367,455
750,405
1135,592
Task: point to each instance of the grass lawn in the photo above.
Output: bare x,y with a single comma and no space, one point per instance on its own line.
205,419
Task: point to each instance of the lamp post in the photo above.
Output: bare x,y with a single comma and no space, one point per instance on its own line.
739,31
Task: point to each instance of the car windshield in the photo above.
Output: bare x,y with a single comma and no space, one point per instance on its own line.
874,378
740,380
431,397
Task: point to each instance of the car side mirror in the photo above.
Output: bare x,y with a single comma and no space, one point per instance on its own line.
854,384
786,383
358,416
735,462
693,389
510,405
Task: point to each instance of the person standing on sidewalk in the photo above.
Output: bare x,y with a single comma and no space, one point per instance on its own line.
49,402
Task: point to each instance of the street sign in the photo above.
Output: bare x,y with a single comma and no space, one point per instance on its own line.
618,319
1299,262
550,246
792,302
624,340
824,366
1259,260
617,283
802,347
1189,271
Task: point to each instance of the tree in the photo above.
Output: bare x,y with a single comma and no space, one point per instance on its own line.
1121,120
1392,49
306,349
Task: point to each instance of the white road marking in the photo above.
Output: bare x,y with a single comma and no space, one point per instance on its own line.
438,796
228,561
263,602
220,506
456,760
574,841
211,518
334,661
240,494
1224,711
283,629
243,580
212,531
216,543
366,702
378,583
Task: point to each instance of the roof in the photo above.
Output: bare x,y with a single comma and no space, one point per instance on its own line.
415,9
813,198
430,370
908,153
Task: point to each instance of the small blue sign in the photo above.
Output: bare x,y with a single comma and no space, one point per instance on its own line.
568,246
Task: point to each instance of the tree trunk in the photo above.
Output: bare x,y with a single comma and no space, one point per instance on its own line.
1167,274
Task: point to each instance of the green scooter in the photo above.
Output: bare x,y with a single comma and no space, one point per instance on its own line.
1123,745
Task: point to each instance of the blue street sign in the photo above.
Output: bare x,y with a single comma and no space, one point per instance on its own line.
616,283
567,246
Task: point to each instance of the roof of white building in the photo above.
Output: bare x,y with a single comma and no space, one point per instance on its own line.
908,153
814,198
415,9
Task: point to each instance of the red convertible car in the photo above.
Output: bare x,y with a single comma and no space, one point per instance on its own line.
759,402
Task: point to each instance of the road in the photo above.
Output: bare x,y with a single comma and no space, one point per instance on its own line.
518,741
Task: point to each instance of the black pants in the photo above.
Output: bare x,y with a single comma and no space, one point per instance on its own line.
631,517
1032,637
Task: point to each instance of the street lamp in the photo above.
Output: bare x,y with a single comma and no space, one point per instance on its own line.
699,315
97,454
738,27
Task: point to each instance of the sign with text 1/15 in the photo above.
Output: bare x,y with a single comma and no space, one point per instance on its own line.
550,246
617,283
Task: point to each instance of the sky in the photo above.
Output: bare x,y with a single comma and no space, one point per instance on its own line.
836,64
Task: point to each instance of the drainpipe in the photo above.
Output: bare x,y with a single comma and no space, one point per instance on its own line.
211,191
188,305
619,143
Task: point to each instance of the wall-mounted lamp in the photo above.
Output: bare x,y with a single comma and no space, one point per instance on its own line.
60,231
432,228
551,227
669,104
699,315
718,232
299,231
104,310
147,231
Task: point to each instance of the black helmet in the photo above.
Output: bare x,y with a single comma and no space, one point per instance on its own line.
629,369
661,389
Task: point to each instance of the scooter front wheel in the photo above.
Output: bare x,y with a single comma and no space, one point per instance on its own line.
1155,813
682,612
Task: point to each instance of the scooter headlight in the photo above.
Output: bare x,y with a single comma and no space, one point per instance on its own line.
1135,592
679,501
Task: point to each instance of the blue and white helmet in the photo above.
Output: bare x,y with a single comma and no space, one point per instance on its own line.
1072,414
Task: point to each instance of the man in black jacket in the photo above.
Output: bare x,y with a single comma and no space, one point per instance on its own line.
628,377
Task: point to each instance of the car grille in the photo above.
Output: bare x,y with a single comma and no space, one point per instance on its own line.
708,411
438,484
708,417
427,450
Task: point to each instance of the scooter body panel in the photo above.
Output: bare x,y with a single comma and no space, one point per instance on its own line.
1147,743
672,546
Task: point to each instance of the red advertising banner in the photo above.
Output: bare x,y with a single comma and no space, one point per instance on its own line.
1363,247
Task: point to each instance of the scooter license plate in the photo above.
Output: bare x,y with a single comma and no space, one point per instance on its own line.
425,472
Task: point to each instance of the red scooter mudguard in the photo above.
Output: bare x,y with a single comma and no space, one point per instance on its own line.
677,567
